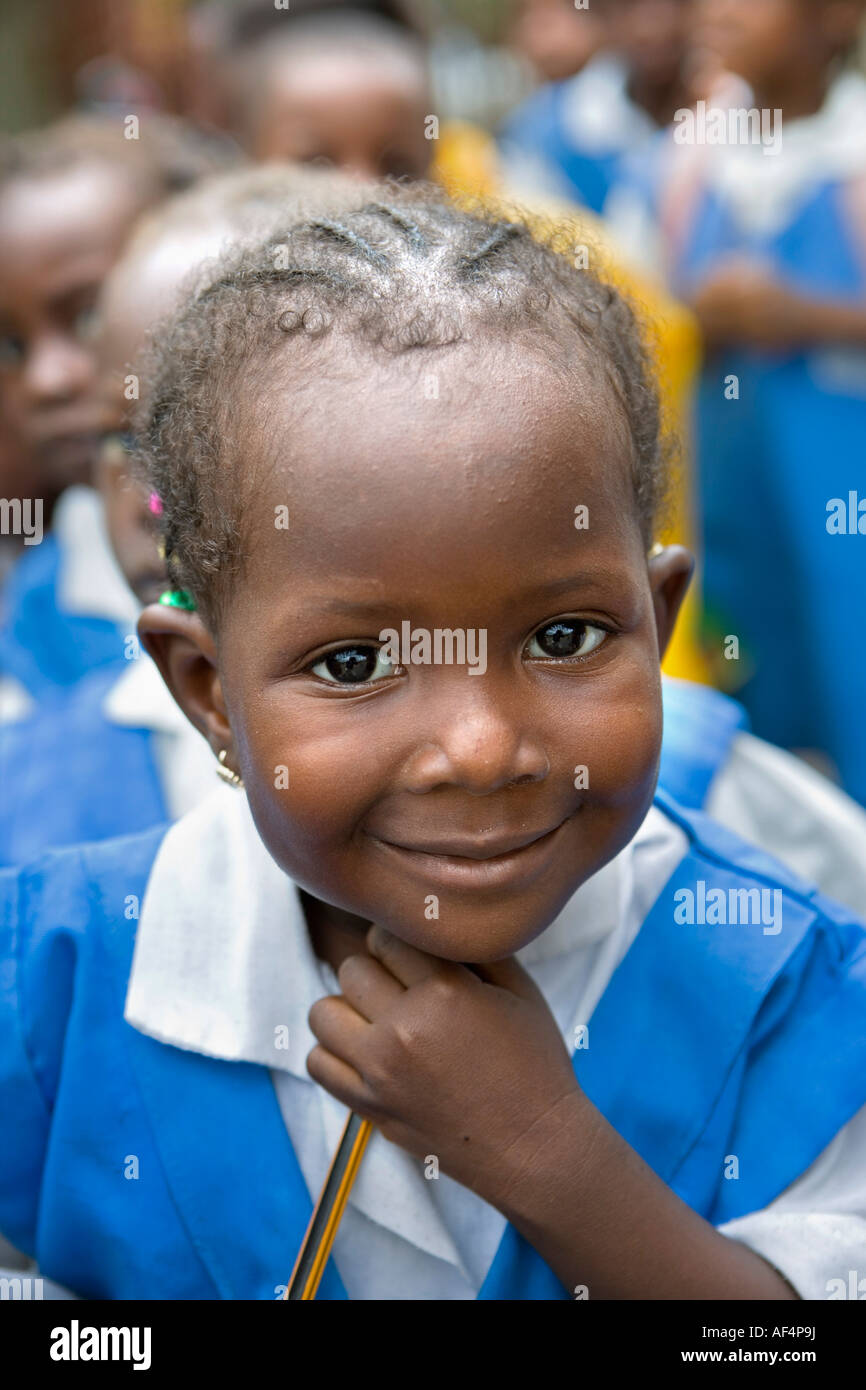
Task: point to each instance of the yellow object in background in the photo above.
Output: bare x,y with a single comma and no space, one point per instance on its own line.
466,163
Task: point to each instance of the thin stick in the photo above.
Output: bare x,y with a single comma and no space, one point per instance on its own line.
316,1245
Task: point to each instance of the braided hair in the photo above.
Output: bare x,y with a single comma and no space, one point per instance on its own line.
409,273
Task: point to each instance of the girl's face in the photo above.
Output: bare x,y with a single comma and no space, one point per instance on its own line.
58,238
458,807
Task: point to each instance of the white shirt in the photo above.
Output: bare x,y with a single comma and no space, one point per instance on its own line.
140,699
223,965
90,582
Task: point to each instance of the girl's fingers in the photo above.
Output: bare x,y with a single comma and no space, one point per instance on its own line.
341,1080
368,986
509,974
406,963
339,1028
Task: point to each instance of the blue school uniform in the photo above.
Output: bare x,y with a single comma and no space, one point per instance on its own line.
111,783
772,458
42,646
569,139
72,775
707,1042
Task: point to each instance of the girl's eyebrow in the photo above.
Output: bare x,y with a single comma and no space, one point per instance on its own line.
354,606
582,578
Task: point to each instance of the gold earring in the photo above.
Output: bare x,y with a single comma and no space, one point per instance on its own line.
656,550
233,779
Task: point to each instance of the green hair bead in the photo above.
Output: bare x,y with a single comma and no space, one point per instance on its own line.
178,598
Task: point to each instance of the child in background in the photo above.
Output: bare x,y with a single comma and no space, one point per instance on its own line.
69,196
768,244
130,759
556,37
346,89
570,138
504,819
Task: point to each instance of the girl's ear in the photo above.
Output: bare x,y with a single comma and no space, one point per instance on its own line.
670,570
185,653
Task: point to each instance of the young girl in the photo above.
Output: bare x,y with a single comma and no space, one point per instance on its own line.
608,1048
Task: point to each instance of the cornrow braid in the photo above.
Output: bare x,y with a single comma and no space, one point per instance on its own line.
410,272
499,237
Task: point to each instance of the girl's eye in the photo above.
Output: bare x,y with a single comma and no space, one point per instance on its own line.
11,350
566,638
353,666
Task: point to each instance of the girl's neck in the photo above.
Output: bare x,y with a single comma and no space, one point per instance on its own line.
334,934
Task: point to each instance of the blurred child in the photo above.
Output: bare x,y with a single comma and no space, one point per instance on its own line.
570,138
218,35
345,89
767,240
425,397
69,196
130,759
556,37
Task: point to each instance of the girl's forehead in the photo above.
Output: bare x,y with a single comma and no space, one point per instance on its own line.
466,420
506,456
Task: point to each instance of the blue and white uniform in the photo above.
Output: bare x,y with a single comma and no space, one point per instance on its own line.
779,434
65,609
169,1144
113,756
569,139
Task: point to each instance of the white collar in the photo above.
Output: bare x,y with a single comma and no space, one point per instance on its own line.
223,960
90,582
598,115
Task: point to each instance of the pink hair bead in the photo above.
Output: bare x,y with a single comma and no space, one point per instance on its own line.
154,502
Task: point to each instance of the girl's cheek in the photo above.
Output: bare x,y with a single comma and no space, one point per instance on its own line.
615,737
320,787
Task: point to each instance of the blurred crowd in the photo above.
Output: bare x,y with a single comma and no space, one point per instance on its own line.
711,152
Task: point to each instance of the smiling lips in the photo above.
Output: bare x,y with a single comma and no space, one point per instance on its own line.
484,862
479,849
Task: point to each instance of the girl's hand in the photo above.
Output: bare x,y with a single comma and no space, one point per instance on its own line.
474,1071
444,1060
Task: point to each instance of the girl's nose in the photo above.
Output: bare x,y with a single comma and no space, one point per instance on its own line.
480,750
57,370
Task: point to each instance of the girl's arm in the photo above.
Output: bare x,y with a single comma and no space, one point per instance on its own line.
743,304
604,1222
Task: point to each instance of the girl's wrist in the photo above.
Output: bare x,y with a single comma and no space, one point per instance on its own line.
545,1162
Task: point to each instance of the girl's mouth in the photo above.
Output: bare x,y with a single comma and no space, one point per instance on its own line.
490,863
